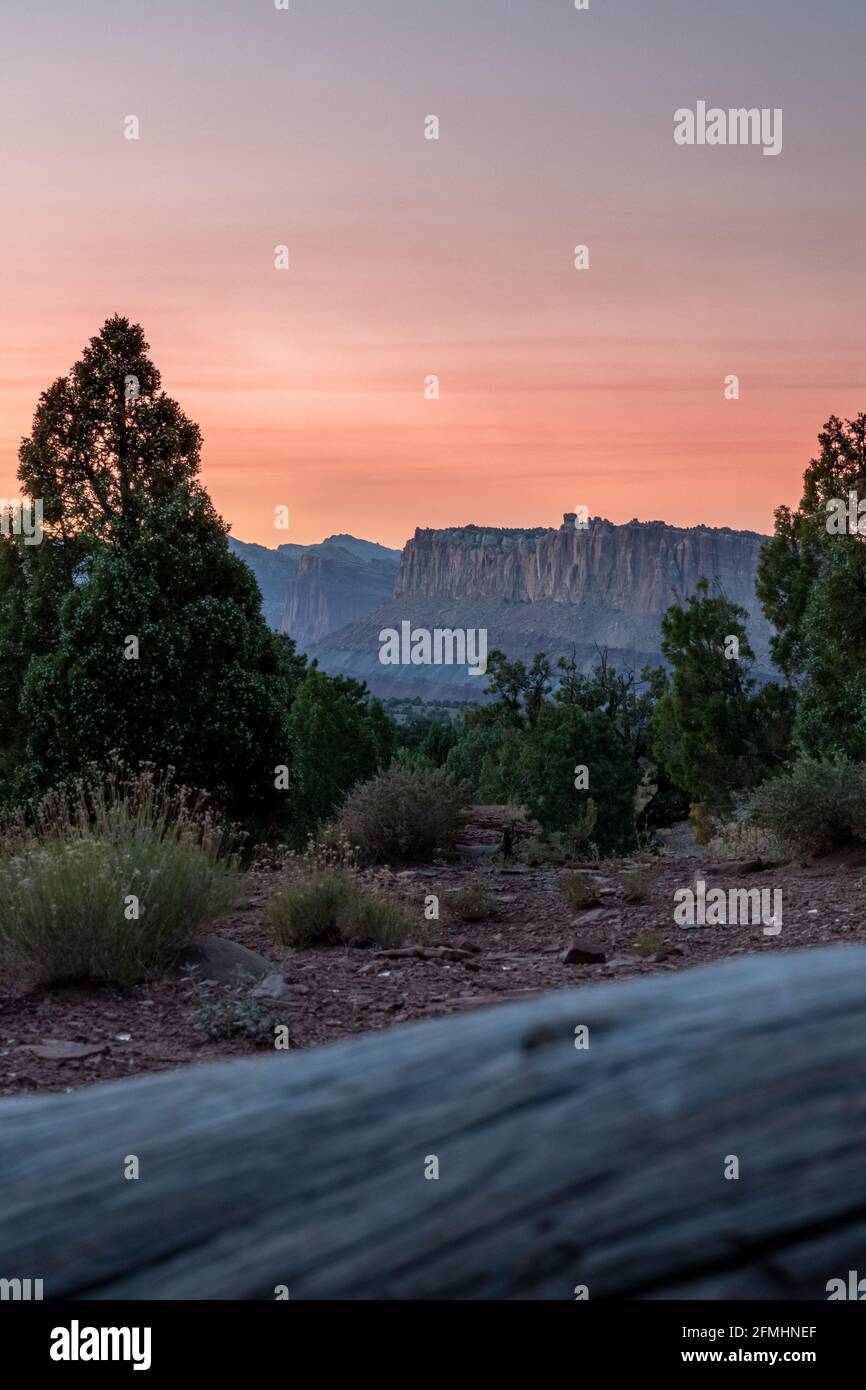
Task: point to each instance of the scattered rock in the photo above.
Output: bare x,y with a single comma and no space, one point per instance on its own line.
737,868
583,953
478,854
227,962
598,917
53,1050
424,953
271,987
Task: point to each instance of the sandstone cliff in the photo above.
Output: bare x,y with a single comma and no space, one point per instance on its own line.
545,589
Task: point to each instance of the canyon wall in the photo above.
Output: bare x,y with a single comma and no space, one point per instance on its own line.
551,590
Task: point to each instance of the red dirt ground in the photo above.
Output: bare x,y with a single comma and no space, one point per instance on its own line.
337,992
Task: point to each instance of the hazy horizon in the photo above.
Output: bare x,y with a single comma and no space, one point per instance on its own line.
486,526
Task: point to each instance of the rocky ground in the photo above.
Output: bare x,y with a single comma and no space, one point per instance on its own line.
61,1038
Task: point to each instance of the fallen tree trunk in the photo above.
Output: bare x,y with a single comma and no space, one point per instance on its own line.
559,1166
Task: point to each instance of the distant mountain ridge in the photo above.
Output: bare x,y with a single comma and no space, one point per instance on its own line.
551,589
311,590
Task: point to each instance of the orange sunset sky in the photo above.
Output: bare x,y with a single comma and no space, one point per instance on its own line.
559,387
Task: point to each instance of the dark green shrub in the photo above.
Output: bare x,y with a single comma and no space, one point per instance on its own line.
404,813
817,804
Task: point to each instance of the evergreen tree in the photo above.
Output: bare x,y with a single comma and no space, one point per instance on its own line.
131,628
714,733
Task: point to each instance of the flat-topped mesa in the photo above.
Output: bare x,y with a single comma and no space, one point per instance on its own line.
640,567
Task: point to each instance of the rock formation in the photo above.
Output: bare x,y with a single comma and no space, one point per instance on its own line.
310,590
545,589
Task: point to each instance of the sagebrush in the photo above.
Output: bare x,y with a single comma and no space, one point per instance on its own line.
404,814
578,890
331,908
473,902
814,806
107,880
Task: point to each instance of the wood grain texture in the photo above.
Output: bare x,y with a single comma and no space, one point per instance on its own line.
558,1167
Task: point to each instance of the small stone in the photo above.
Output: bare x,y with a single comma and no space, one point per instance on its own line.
583,953
271,987
462,943
56,1051
227,962
597,917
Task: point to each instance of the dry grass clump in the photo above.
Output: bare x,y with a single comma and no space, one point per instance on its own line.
473,902
578,890
330,907
637,884
106,880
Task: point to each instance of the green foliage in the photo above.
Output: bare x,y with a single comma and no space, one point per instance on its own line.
98,459
814,805
227,1012
331,908
793,562
544,849
404,813
578,890
339,738
520,691
566,737
637,884
466,760
831,716
210,690
649,943
713,733
473,902
71,862
134,549
812,584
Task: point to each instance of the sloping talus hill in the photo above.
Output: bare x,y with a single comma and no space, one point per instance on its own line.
547,589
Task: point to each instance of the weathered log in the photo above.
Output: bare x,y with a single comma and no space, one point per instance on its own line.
558,1166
